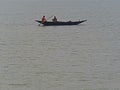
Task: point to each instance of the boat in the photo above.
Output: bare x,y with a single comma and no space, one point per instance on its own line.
59,23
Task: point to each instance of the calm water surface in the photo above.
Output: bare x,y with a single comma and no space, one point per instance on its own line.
82,57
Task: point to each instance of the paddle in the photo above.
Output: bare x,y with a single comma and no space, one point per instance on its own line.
49,17
44,21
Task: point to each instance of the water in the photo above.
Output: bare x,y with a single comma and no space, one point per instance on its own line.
82,57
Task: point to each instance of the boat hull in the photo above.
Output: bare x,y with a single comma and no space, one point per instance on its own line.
60,23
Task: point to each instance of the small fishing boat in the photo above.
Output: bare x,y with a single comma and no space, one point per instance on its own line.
59,23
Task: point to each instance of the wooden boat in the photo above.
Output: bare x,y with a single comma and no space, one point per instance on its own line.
59,23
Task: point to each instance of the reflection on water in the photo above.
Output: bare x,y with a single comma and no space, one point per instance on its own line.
82,57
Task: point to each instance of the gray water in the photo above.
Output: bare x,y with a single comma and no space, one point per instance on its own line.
82,57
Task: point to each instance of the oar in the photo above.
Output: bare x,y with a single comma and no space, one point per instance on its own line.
49,17
46,20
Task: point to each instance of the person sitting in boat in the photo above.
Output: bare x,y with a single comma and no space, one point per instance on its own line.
54,19
43,19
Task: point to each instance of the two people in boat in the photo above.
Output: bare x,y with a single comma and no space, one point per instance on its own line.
43,19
